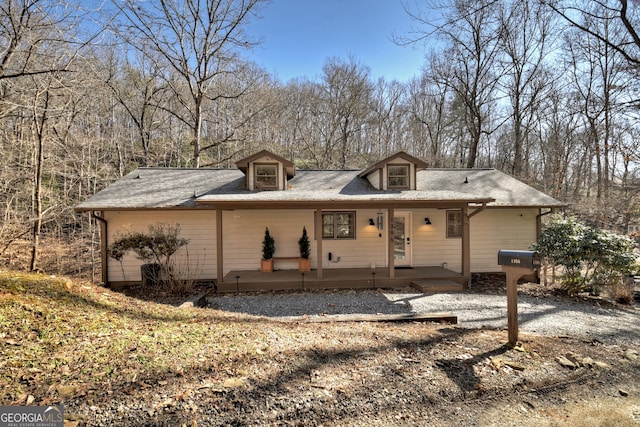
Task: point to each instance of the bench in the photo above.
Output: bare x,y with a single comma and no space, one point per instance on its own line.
284,258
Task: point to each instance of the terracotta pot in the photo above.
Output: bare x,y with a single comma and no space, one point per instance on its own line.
266,265
304,264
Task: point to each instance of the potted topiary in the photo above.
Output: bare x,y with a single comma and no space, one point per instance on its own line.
305,252
268,249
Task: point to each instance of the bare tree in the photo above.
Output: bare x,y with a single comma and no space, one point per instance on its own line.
430,121
610,12
600,83
346,95
39,44
526,41
471,32
199,41
386,132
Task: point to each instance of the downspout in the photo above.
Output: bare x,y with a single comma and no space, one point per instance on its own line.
538,233
103,247
539,221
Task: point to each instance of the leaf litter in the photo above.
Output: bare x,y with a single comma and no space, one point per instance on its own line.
96,351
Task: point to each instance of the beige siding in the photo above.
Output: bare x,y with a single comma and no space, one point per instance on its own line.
196,260
491,230
374,179
495,229
244,231
431,246
368,248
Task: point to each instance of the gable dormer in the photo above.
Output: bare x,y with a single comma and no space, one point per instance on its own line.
266,171
397,172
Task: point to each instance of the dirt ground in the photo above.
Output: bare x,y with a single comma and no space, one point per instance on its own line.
377,374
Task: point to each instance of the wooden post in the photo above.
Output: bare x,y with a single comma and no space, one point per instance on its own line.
390,244
466,245
513,275
219,251
319,254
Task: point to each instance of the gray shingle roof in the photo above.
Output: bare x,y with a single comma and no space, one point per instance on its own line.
147,188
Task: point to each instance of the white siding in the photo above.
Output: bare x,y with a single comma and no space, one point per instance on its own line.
196,260
495,229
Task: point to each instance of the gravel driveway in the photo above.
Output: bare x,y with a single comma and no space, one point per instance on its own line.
545,316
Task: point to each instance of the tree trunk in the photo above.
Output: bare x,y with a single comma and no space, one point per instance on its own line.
37,185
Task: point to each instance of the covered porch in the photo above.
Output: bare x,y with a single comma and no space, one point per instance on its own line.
425,279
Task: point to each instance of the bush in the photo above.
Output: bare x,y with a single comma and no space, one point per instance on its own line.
304,245
156,247
268,245
591,257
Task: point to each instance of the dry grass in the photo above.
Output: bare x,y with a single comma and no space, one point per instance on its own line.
58,332
65,341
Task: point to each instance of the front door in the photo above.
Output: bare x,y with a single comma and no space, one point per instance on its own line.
402,239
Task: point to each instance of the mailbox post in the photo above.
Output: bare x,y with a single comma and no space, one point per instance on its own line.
516,264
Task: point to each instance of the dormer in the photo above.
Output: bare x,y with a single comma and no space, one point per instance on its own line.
397,172
266,171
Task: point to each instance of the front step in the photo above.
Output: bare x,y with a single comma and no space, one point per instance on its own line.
437,286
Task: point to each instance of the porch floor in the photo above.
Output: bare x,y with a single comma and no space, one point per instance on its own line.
335,278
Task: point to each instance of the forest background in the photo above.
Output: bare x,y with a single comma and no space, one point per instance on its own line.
547,91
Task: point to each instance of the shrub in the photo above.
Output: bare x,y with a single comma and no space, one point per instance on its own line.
157,246
304,245
268,245
591,257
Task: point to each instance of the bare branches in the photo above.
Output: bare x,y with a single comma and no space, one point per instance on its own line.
629,49
198,40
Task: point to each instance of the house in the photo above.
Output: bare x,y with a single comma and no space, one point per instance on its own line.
373,224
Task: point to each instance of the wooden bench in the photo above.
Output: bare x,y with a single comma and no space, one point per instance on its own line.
284,258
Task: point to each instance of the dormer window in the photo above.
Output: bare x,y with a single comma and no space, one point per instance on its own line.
398,176
398,172
266,176
266,171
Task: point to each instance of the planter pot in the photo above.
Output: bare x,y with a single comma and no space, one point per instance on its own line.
266,265
304,264
151,274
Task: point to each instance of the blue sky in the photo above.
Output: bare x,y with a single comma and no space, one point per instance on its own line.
299,35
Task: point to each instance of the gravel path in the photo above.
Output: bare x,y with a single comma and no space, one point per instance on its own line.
545,316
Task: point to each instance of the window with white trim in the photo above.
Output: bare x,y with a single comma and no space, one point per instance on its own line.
338,225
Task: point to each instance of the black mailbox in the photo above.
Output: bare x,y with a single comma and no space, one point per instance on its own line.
523,259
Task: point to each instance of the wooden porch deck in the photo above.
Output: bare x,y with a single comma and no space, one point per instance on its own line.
342,278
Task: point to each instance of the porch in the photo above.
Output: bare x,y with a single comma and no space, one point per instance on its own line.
425,279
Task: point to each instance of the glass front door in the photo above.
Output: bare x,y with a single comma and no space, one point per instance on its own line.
402,239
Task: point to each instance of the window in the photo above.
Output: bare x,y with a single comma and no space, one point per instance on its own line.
338,225
398,176
266,176
454,223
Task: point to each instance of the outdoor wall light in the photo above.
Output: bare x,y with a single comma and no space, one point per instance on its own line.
427,221
380,221
371,221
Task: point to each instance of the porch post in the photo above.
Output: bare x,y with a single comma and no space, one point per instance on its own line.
391,248
466,243
319,256
219,260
